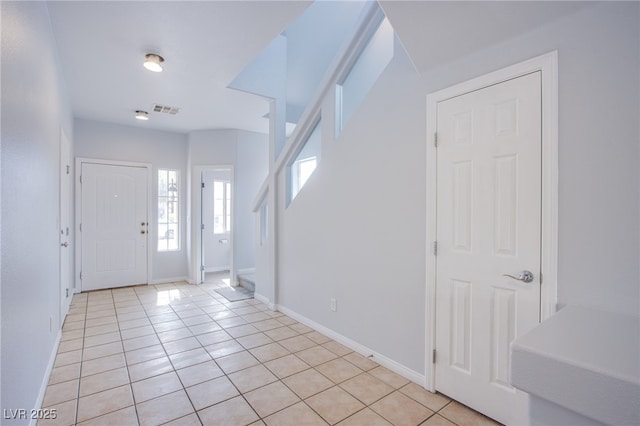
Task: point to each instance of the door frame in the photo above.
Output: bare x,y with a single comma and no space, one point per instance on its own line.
65,175
78,217
547,64
196,214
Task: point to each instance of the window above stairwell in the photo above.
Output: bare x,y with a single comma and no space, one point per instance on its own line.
304,164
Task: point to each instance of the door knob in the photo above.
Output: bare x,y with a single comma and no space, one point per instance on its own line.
142,232
524,276
65,244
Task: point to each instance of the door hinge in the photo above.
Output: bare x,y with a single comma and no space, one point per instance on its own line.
435,139
68,169
81,227
202,226
67,292
435,248
433,356
202,268
202,183
81,179
80,274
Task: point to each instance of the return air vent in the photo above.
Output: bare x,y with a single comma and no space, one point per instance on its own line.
165,109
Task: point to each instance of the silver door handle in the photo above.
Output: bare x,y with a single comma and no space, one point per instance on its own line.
524,276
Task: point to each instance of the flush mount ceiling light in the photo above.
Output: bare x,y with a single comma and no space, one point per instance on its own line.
153,62
142,115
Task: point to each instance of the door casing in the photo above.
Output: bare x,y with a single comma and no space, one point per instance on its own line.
78,218
548,65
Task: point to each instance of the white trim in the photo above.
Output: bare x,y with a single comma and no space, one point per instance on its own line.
384,361
78,216
47,375
246,271
168,280
548,65
265,300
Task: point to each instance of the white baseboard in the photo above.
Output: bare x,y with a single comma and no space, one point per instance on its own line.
389,363
168,280
217,269
265,300
47,374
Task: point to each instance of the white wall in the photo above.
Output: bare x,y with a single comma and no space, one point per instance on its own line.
164,150
356,231
34,109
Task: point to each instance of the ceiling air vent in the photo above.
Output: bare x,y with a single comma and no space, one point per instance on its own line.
166,109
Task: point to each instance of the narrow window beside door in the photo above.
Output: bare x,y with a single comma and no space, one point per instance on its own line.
221,207
168,210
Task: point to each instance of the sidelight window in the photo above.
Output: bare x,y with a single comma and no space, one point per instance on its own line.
168,210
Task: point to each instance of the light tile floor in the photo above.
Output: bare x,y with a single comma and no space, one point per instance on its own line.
183,355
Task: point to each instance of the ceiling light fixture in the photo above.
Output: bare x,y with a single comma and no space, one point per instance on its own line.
142,115
153,62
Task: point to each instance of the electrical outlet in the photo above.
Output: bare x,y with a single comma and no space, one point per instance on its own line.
333,304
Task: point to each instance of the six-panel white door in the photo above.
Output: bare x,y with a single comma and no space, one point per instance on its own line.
488,225
114,226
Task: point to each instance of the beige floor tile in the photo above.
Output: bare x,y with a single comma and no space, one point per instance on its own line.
100,321
213,337
236,362
271,398
399,409
212,392
389,377
364,417
125,417
433,401
234,411
360,361
464,416
134,323
101,351
164,409
187,358
367,388
105,402
175,334
317,337
64,373
301,328
268,352
157,319
67,358
72,335
286,366
131,333
145,354
254,340
131,316
103,364
181,345
256,317
297,415
199,373
281,333
437,420
147,369
205,327
156,386
168,325
316,355
334,404
101,329
101,339
64,413
242,330
246,310
297,343
308,383
103,381
231,322
69,326
61,392
268,324
286,320
337,348
252,378
189,420
140,342
339,370
221,349
70,345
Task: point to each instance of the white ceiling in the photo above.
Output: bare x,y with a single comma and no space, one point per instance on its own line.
205,45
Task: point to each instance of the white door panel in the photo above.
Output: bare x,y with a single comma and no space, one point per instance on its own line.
114,226
488,224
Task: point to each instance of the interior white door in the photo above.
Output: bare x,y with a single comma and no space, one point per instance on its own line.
114,226
488,225
65,226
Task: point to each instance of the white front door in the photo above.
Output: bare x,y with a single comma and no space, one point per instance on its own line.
114,226
488,225
65,226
